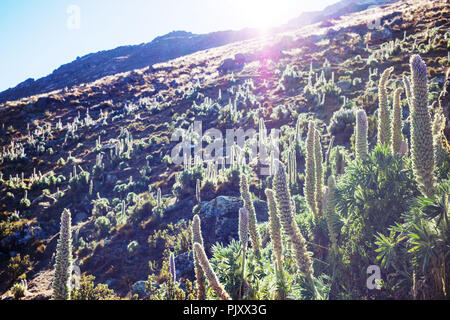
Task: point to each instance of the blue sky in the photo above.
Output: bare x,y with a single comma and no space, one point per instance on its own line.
36,39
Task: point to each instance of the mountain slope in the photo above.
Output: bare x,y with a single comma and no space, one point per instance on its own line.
103,149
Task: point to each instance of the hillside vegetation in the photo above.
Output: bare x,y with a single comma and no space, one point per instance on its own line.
350,174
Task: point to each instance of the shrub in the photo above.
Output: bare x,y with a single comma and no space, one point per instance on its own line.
89,291
370,196
342,123
18,290
187,181
17,265
103,225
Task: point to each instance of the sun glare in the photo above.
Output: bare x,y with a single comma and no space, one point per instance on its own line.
269,13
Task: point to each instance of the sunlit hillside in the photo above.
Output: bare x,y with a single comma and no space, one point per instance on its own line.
307,162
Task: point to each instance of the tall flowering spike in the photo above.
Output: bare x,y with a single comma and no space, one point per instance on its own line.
158,198
285,206
63,265
197,191
209,272
172,267
243,228
331,214
275,228
422,153
439,138
407,85
384,114
397,124
252,223
318,158
361,134
199,275
310,171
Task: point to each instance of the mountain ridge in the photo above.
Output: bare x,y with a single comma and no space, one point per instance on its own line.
94,66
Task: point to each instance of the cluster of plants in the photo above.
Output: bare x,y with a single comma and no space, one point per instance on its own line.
371,188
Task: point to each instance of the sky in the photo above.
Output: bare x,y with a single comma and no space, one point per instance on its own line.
38,36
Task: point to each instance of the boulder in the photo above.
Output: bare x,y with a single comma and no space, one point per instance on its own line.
380,36
184,266
139,288
230,65
80,217
345,85
220,218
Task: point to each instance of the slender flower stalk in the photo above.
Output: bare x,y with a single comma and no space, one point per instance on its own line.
397,124
331,214
243,228
422,151
197,191
243,238
384,114
197,238
252,223
172,267
361,134
63,265
310,174
318,158
209,272
285,206
275,228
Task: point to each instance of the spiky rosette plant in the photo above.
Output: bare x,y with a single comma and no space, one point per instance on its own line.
63,265
384,114
310,170
422,152
199,275
397,124
361,134
252,222
209,272
274,228
318,158
285,207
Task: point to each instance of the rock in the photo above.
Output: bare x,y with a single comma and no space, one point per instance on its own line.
380,36
111,179
8,242
139,288
39,233
184,265
345,85
80,217
230,65
221,206
179,206
45,102
220,218
331,33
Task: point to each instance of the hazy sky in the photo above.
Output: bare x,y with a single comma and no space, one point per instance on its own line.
38,36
